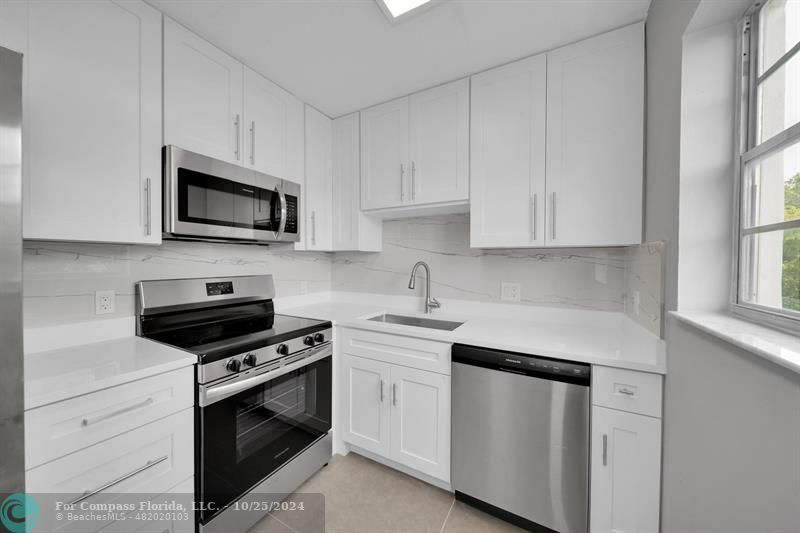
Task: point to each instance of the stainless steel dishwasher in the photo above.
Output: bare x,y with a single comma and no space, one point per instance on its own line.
521,438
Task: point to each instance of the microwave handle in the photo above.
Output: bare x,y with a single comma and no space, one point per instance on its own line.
284,211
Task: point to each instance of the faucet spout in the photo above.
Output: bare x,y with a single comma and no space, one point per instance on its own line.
430,303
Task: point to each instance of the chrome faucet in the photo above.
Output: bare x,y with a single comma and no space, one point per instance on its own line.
430,303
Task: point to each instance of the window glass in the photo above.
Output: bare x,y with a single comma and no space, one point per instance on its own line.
780,30
779,99
771,269
772,188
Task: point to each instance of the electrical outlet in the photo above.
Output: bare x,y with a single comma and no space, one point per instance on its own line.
637,297
510,292
104,302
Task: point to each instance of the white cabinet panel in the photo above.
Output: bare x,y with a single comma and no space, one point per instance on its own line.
273,122
508,113
625,476
627,390
421,421
92,122
424,354
319,185
202,96
385,172
352,230
595,121
439,143
367,404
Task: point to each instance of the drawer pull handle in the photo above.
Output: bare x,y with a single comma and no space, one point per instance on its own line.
626,391
89,493
145,403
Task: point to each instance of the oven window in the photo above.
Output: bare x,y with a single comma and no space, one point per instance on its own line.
205,199
246,437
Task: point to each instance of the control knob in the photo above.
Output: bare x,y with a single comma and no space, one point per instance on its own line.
282,349
308,341
234,365
319,337
250,359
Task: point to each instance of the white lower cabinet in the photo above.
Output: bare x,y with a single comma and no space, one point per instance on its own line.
398,412
625,472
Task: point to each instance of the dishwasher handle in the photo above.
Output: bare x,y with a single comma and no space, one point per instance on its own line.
524,364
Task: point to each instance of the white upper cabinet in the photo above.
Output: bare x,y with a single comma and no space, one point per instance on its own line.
92,122
202,96
439,143
595,139
318,233
352,230
415,150
273,123
384,155
508,113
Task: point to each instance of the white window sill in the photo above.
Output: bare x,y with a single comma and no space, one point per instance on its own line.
776,346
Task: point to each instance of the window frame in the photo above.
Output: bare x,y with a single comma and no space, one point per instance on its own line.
746,150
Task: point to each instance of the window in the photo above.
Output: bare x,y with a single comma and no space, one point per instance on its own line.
768,247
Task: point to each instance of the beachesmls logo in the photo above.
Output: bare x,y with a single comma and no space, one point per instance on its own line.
19,513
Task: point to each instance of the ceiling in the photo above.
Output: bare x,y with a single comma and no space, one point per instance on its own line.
344,55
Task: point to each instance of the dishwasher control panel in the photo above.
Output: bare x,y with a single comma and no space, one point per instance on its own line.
533,365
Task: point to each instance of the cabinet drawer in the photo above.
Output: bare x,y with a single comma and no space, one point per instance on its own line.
627,390
58,429
147,460
397,349
160,521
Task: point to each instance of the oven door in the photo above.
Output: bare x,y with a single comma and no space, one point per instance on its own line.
245,436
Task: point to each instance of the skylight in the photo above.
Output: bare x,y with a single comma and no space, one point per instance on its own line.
398,8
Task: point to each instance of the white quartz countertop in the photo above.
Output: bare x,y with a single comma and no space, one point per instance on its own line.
56,375
594,337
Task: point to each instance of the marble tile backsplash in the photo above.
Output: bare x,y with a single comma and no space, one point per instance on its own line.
585,278
60,278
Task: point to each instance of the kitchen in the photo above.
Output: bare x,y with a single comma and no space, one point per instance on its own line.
379,265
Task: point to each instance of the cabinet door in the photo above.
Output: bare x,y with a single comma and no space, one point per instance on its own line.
92,133
421,421
385,172
439,143
270,122
507,192
345,183
318,190
595,121
202,96
626,462
366,406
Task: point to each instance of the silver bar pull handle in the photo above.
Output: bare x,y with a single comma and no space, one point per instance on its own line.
253,142
238,135
87,421
148,197
553,215
413,181
314,227
402,183
626,391
394,393
381,391
89,493
605,449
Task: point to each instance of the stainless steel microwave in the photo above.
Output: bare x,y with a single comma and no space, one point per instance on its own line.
208,199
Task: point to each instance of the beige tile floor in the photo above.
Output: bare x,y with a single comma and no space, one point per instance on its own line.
362,496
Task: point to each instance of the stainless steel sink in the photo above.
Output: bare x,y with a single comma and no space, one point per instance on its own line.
419,322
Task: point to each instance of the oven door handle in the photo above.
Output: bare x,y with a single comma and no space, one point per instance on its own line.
215,393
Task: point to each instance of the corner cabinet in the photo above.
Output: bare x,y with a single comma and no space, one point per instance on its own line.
626,452
316,230
415,151
392,409
92,164
557,146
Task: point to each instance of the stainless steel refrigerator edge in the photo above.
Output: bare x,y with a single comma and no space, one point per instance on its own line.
12,460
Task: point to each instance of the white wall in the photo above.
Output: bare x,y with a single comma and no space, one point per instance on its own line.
731,439
708,102
666,22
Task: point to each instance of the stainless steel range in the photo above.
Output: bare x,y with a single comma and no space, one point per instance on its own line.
263,389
